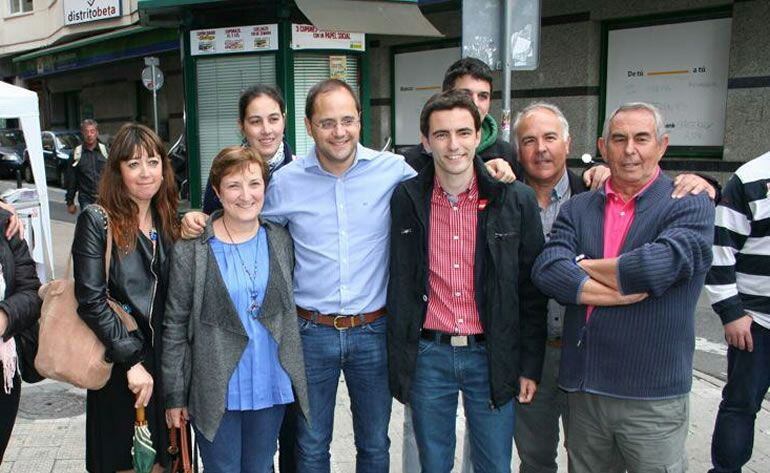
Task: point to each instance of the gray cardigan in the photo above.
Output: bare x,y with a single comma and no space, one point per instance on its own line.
202,324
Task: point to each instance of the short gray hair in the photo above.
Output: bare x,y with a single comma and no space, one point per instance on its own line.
660,125
89,122
534,106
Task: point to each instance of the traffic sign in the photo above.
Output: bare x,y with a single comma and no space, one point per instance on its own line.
152,82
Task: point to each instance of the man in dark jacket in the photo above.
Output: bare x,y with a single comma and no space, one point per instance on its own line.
464,314
88,160
543,143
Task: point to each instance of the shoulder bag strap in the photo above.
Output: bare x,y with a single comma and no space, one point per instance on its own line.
124,316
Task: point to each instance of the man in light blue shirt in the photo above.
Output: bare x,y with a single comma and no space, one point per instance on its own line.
335,202
340,226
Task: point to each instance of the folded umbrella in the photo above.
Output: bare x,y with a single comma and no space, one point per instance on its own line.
142,452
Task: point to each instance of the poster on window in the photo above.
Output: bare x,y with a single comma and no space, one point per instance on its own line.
681,68
310,37
234,39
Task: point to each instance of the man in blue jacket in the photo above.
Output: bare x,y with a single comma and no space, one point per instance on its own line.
629,262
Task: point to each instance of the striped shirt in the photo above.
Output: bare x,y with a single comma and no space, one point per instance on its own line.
739,280
451,252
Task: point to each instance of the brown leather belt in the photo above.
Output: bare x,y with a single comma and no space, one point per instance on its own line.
339,321
555,343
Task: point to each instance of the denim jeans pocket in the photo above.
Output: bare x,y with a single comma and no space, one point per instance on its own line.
378,327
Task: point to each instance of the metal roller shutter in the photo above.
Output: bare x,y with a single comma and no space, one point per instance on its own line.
221,80
309,69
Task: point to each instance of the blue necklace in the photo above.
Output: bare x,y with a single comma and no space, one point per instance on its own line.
254,306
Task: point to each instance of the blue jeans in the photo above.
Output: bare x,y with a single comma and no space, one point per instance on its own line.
244,443
361,354
748,379
442,372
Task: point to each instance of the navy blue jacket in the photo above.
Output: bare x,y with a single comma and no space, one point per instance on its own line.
642,350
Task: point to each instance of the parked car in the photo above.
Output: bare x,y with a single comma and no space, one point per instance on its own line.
58,147
12,147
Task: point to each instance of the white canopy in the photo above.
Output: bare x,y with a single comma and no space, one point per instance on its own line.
16,102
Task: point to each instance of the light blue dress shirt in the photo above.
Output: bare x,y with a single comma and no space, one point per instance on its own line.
340,226
259,381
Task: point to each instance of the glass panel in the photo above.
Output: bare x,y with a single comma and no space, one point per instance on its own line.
68,140
11,138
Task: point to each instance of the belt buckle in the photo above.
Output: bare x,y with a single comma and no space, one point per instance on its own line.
334,323
458,340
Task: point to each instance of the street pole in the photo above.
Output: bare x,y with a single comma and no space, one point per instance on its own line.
154,98
505,52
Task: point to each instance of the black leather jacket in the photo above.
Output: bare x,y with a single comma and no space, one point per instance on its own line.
21,302
138,281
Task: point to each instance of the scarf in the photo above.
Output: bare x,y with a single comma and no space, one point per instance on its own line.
274,162
489,131
8,356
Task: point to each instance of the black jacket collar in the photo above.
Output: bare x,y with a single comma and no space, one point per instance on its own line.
421,186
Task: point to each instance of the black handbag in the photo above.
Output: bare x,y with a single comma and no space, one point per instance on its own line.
26,349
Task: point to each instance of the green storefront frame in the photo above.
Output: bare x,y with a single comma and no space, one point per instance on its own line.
284,57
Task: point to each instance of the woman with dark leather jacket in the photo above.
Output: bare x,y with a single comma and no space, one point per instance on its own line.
19,310
137,195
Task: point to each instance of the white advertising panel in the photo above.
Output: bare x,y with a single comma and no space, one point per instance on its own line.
85,11
310,37
234,39
418,76
681,68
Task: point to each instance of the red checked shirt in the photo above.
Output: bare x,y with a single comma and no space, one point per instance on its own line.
451,252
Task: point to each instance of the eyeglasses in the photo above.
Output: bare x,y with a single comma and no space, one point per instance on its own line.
346,122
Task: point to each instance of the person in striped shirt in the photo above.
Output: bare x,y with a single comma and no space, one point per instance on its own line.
738,285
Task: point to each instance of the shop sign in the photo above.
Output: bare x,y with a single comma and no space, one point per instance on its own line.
310,37
234,39
85,11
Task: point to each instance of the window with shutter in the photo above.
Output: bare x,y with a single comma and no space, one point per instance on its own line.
221,80
309,69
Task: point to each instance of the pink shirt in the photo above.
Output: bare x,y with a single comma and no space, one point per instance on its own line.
618,216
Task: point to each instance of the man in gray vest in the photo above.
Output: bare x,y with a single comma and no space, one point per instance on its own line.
88,160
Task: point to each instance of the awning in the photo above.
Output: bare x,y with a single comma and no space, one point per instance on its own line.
116,45
157,4
83,42
373,17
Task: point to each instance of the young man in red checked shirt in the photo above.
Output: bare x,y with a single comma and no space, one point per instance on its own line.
464,315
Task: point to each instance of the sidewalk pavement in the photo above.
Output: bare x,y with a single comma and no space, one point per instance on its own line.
50,431
49,435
